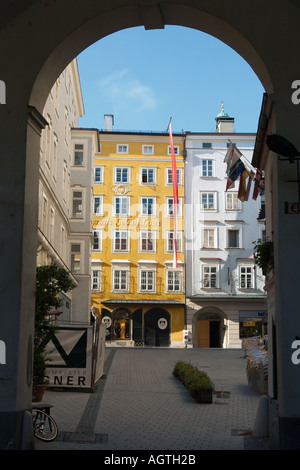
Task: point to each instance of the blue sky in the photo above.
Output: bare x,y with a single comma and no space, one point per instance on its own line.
145,77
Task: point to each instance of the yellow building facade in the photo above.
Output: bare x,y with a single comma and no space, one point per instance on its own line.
136,289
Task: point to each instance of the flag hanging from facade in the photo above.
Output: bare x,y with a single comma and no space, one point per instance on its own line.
252,174
235,171
258,187
243,186
175,193
232,155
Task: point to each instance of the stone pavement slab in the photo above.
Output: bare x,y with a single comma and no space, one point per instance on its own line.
139,405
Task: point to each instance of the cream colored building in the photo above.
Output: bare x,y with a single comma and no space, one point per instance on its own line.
64,223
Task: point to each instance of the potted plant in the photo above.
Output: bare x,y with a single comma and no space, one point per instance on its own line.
264,255
50,281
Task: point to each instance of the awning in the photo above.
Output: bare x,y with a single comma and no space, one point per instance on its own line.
143,301
54,312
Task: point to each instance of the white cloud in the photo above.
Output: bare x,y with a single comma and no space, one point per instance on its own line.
125,91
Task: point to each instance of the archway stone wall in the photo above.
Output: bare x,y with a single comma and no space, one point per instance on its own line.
208,310
37,40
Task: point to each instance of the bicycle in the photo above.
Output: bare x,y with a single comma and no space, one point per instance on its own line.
44,426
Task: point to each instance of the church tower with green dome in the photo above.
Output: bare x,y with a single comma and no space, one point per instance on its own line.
224,123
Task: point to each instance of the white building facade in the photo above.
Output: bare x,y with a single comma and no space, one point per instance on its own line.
65,192
225,298
85,142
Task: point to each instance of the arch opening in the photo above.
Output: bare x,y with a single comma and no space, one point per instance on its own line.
116,20
210,327
157,327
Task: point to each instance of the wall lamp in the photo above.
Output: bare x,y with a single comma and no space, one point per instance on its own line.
282,147
287,151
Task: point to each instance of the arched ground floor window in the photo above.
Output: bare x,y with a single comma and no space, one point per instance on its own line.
149,328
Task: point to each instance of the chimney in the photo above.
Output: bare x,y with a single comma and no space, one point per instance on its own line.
108,122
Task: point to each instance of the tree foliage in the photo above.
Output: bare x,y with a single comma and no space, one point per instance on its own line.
50,281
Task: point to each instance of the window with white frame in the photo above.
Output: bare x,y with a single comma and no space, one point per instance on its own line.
207,168
120,280
54,161
209,238
65,182
147,206
67,126
75,257
246,276
147,281
208,201
169,176
63,242
170,241
148,176
121,206
98,205
232,203
147,277
77,204
122,174
44,214
97,240
147,241
233,238
176,150
120,240
48,132
170,209
98,174
122,148
52,224
96,280
173,280
148,149
210,276
120,277
78,154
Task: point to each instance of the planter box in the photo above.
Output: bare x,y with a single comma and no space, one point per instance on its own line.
197,382
204,396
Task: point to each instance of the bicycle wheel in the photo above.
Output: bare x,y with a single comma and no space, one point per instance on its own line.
44,426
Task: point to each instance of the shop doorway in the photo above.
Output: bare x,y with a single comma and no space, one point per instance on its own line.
157,328
209,330
121,320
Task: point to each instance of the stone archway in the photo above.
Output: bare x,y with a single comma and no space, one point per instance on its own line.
210,326
121,324
157,327
37,40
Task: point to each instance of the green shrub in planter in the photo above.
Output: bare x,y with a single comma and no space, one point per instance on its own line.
180,369
197,382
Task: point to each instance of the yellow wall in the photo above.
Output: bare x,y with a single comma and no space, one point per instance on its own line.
177,315
108,158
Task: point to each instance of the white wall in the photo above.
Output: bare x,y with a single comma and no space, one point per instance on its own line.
218,219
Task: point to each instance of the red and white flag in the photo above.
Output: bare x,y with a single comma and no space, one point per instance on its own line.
175,194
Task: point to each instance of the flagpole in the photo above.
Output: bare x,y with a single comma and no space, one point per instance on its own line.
175,192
